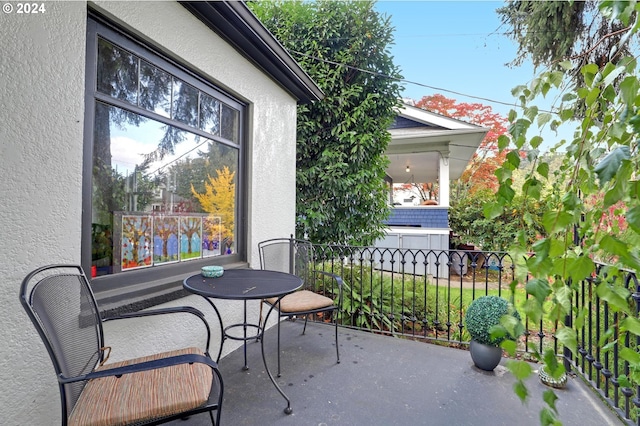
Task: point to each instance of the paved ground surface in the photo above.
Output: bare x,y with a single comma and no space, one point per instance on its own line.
384,381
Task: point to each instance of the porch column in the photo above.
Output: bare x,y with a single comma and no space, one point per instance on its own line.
443,179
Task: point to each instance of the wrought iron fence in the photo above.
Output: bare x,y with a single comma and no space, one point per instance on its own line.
423,294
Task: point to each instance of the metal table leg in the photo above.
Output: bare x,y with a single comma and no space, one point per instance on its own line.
287,410
222,332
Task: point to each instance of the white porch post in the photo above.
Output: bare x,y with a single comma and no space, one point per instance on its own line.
443,179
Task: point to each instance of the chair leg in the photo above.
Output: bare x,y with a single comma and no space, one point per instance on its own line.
337,349
279,347
260,324
306,317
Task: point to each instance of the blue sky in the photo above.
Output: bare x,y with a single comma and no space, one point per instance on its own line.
458,46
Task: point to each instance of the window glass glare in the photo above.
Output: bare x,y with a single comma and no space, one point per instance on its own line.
155,89
185,103
209,114
229,123
124,76
117,72
162,191
161,194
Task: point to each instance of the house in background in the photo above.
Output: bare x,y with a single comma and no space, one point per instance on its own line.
426,148
87,88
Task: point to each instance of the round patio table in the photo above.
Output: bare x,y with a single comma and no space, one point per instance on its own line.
245,284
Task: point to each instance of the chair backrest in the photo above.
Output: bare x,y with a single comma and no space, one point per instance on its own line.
286,255
61,305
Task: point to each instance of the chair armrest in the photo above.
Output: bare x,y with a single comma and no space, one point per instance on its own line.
143,366
338,280
163,311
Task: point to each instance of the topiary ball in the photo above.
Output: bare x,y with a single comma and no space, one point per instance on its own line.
483,314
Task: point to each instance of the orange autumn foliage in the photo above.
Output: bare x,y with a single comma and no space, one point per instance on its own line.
479,173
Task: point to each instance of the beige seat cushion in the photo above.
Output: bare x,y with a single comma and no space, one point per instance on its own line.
303,300
144,395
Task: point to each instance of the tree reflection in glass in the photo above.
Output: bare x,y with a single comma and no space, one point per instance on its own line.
141,161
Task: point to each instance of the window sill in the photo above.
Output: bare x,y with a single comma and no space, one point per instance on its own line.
137,290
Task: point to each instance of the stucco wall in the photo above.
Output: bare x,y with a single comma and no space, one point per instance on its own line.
41,137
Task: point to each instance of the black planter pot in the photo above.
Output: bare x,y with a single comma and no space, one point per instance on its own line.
485,357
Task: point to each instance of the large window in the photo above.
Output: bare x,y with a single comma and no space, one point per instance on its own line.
165,150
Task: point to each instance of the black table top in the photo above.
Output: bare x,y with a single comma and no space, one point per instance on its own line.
243,284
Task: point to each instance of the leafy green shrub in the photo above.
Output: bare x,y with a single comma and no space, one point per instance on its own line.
483,317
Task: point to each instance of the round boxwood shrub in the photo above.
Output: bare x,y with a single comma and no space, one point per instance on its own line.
484,313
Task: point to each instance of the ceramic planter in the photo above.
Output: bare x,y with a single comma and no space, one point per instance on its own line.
485,357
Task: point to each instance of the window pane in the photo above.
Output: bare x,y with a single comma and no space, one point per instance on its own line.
117,72
209,114
161,194
229,127
185,103
155,89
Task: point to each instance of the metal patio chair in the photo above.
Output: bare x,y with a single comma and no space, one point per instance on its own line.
143,391
296,257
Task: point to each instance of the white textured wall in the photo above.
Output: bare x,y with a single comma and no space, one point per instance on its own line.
42,63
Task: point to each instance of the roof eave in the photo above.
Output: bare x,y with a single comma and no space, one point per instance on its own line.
234,22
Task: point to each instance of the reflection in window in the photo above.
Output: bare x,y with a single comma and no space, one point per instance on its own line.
229,123
155,89
117,72
185,103
161,193
122,75
210,114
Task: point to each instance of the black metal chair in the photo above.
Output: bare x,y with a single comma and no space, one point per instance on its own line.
149,390
296,257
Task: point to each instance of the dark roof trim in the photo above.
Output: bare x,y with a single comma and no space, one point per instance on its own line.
234,22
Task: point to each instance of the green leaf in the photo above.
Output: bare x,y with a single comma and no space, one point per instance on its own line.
630,355
589,71
543,169
556,220
567,336
592,96
521,370
506,192
612,75
633,218
629,88
580,268
536,141
510,346
503,142
550,398
614,296
566,114
631,325
551,363
544,118
620,249
616,193
539,289
521,390
519,128
492,210
609,165
532,188
623,380
513,158
566,65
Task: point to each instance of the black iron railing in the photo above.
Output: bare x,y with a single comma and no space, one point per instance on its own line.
423,294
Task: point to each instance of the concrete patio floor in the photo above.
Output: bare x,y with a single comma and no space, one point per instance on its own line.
383,380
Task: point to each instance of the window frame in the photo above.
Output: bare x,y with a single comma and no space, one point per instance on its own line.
130,287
